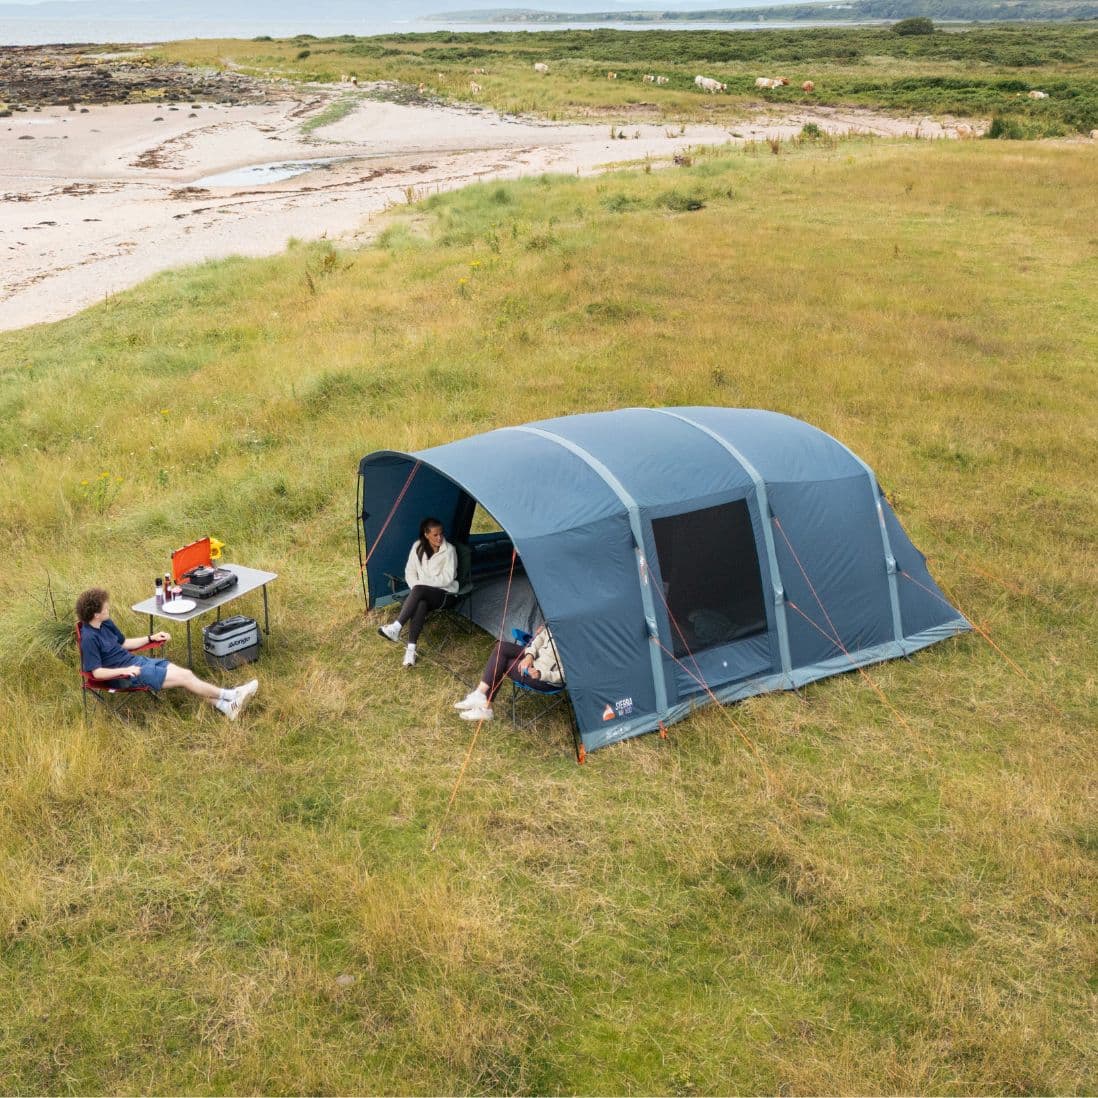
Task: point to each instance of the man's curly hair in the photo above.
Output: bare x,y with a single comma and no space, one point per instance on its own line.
90,602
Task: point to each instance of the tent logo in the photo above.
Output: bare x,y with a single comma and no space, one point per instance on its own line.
623,707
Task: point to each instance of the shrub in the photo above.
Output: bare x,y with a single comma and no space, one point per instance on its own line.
918,25
680,202
1004,129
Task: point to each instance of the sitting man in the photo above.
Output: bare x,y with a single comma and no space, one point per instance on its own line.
535,666
106,654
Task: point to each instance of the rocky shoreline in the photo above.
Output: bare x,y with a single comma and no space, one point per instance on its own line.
75,76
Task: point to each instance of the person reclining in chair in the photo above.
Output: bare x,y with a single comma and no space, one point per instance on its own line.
107,655
535,666
431,575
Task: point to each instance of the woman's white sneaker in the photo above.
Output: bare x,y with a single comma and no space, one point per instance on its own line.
473,700
409,657
391,631
477,713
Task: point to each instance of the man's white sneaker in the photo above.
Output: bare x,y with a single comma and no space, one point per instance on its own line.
244,694
473,700
409,658
478,713
390,632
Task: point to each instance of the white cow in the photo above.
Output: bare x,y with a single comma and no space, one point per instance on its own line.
541,66
1038,95
661,80
648,78
475,88
708,84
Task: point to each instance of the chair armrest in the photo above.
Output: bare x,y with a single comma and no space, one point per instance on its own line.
152,646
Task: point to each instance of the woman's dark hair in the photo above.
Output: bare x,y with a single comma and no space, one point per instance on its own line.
423,548
89,603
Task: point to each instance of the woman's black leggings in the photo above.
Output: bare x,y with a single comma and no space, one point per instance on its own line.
420,602
503,663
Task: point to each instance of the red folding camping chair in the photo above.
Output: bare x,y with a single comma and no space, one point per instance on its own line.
110,693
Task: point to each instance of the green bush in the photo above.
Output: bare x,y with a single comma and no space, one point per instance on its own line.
1004,129
918,25
680,202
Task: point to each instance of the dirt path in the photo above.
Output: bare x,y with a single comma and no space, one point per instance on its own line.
93,203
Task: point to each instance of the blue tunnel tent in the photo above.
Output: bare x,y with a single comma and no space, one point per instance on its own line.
674,552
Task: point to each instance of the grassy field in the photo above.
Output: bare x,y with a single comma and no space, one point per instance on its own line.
189,906
981,71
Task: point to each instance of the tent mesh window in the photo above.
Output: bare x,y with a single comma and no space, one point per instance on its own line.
711,576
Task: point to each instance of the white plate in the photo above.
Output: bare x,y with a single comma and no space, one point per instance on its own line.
179,606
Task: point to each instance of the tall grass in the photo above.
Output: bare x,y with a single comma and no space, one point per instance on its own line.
189,905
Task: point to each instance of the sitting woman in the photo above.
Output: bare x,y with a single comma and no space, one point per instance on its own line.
431,575
536,666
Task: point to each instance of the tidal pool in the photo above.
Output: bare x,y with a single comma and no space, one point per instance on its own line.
256,175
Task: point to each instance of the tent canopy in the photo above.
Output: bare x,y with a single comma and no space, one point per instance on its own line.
676,553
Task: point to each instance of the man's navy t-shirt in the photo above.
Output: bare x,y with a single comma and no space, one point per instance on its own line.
102,647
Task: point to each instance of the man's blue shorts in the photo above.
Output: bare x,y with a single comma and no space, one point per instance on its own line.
152,673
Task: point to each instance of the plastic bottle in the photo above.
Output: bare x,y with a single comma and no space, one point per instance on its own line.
167,587
159,592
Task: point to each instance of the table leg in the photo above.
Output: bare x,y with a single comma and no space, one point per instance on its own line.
150,624
190,660
266,613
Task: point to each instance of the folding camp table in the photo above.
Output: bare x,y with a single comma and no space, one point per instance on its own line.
248,579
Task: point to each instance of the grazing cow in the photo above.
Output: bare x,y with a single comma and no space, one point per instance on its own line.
808,87
771,82
661,80
541,66
475,88
354,81
648,78
480,72
611,76
966,132
708,84
1038,95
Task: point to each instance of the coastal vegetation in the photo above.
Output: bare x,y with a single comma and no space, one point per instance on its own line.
818,11
869,886
981,71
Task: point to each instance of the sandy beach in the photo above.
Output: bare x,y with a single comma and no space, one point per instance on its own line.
93,201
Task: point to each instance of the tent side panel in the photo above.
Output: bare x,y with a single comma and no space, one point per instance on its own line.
828,541
598,621
922,604
384,476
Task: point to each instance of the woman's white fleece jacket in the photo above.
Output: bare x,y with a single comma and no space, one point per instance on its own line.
438,571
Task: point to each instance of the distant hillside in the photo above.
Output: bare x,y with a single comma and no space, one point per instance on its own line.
853,11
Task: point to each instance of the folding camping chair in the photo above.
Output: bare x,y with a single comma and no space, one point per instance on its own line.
110,693
539,702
